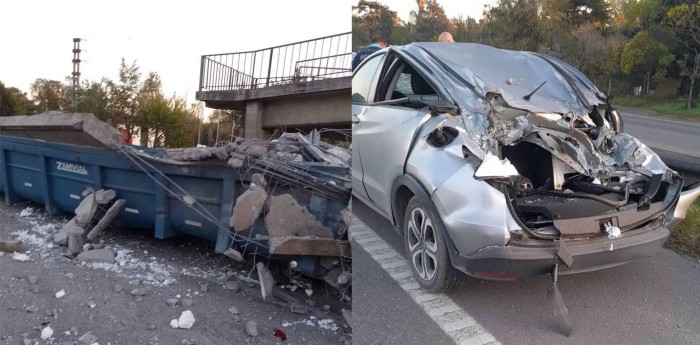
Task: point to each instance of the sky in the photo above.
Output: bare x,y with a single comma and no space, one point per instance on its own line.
453,8
167,37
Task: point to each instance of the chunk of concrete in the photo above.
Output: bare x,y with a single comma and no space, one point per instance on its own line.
97,255
251,327
86,209
266,280
103,196
75,243
235,162
287,218
259,180
10,246
248,208
87,339
256,151
72,228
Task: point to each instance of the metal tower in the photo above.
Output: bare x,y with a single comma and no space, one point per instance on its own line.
75,76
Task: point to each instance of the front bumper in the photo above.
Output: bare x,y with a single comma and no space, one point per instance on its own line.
528,258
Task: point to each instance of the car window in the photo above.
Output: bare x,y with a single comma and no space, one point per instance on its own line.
363,78
403,85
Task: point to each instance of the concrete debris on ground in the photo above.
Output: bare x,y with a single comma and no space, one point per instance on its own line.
234,254
10,246
21,257
87,339
26,212
266,280
46,333
251,327
97,255
185,321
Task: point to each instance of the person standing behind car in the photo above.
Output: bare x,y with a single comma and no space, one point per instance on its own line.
446,37
377,44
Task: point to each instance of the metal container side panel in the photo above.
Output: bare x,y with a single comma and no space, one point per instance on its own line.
209,193
25,175
139,192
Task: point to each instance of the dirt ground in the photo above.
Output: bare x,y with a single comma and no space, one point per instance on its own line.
99,298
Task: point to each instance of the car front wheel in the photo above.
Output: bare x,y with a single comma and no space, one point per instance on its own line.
426,249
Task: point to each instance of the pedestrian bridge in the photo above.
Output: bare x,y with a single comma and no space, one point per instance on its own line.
300,85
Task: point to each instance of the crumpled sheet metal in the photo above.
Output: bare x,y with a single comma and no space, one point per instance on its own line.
512,74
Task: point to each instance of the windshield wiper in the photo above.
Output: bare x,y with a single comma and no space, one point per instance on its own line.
527,97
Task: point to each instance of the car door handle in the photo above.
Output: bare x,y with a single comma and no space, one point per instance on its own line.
355,119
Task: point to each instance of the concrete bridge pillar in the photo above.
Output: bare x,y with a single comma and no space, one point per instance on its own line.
254,120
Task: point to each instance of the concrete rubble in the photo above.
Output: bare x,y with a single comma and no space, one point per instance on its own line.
80,233
286,208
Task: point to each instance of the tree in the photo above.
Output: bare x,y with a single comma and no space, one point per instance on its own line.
466,29
123,96
685,21
371,19
49,94
430,20
513,24
14,102
647,56
94,98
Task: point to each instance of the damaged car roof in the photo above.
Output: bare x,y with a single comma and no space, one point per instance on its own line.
512,74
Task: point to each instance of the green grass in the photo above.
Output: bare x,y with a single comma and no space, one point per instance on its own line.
685,237
661,106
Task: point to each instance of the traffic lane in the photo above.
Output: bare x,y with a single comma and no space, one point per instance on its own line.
648,301
666,134
383,313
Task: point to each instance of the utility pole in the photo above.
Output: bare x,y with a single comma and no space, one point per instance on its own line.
76,73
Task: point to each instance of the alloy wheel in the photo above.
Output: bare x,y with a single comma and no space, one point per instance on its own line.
422,244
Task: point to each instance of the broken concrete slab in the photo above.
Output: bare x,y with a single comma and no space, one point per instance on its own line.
104,196
309,246
86,209
198,153
248,208
266,280
287,218
97,255
105,220
69,128
10,246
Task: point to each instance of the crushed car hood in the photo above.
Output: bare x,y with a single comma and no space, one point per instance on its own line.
507,97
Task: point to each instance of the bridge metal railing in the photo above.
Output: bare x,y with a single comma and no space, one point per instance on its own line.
315,59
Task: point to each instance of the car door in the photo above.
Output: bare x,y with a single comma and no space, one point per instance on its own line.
384,134
363,80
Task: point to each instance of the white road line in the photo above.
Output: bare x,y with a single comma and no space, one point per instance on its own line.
450,317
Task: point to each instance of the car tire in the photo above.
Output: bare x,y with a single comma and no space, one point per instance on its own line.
426,248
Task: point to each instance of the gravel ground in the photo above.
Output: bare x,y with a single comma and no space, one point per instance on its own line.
104,299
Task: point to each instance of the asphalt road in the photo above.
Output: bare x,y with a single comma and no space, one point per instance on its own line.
650,301
662,133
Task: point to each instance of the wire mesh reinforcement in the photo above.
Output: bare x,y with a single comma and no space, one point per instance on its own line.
315,59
